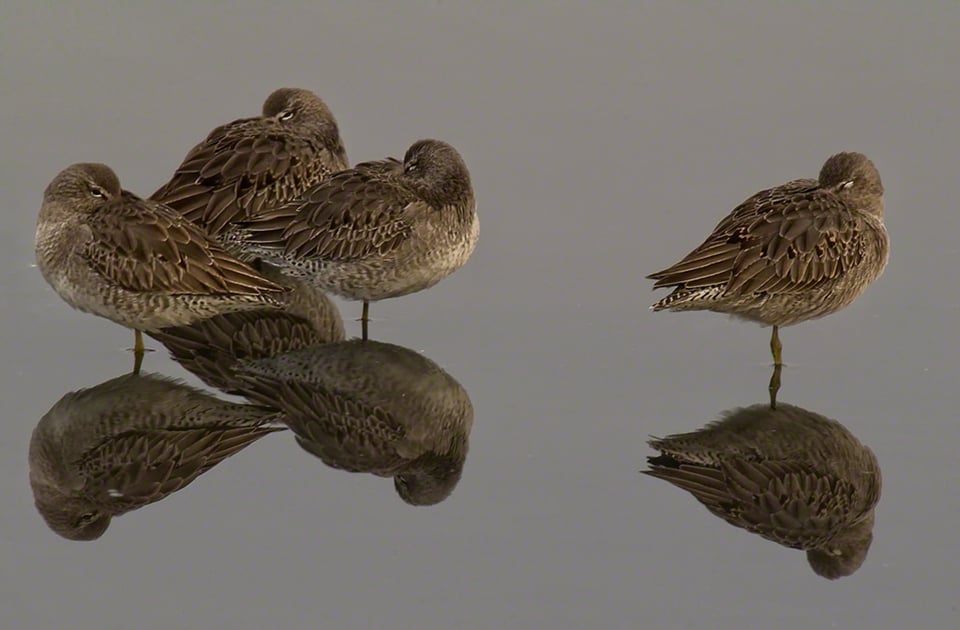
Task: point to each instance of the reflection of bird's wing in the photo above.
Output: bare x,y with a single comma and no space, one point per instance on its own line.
786,501
210,348
245,167
790,238
354,215
139,467
344,432
145,247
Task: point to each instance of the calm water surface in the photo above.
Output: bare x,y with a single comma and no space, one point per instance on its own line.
604,143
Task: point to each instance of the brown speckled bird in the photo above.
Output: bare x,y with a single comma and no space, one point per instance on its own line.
135,262
799,251
788,474
251,165
380,230
365,406
128,442
210,349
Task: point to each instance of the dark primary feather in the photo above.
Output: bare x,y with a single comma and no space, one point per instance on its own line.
145,247
793,237
356,214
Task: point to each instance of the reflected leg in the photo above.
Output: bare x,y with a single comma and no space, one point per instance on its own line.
774,386
365,318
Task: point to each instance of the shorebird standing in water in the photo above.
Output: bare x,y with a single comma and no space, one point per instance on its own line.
796,252
379,230
136,262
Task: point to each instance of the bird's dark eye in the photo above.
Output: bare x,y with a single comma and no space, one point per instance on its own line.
98,192
86,518
285,115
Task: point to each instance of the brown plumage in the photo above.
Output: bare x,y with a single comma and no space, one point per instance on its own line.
788,254
251,165
128,442
212,348
382,229
788,474
136,262
364,406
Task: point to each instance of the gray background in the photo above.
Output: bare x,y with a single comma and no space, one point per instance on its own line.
605,140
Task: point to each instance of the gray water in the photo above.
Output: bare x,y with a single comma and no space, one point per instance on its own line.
605,140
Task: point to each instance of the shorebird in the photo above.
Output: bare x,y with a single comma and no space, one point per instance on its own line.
787,474
129,442
251,165
379,230
135,262
792,253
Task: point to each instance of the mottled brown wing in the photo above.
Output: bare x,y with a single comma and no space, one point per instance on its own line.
343,432
140,467
793,237
245,167
211,348
788,502
354,215
145,247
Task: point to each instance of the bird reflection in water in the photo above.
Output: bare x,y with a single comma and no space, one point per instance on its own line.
359,406
210,349
366,406
788,474
128,442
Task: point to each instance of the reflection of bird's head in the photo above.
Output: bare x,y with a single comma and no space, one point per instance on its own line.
73,518
844,554
428,485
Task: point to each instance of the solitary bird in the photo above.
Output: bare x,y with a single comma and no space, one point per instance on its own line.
128,442
796,252
135,262
365,406
379,230
787,474
251,165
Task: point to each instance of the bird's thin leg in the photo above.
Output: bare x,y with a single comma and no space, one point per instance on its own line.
776,348
138,351
774,385
365,318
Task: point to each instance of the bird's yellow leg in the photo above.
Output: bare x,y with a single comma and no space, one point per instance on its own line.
776,347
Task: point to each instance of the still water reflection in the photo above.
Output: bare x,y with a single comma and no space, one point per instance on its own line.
366,406
359,406
129,442
785,473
